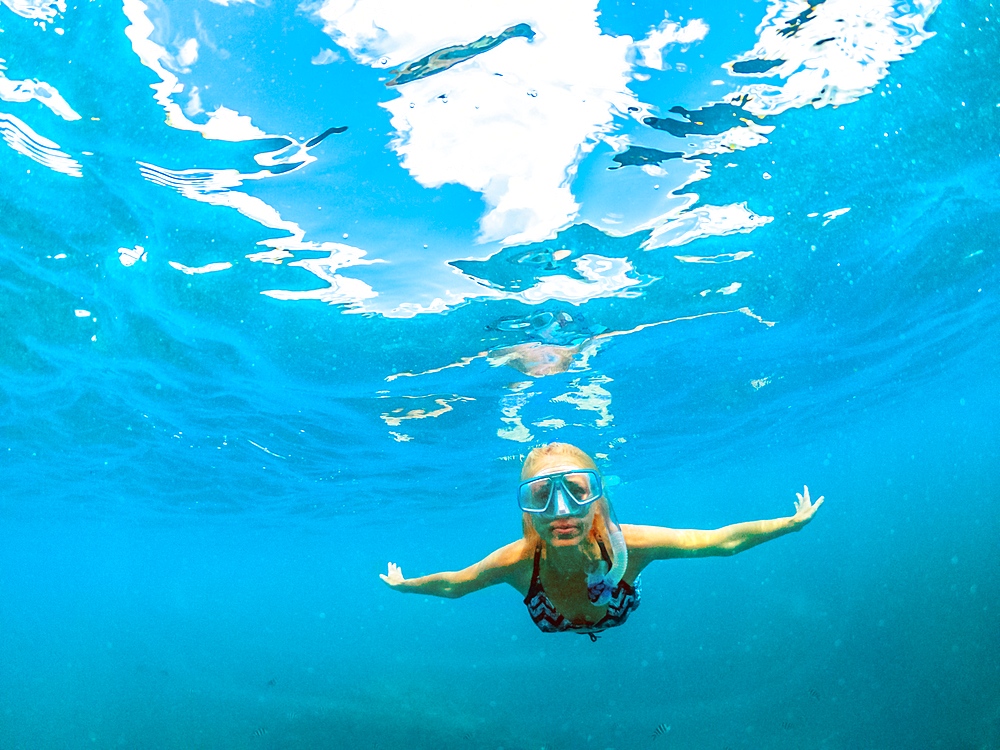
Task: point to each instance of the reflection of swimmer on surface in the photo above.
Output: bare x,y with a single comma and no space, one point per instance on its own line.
576,567
546,357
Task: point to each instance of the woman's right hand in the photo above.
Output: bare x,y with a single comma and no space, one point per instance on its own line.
395,576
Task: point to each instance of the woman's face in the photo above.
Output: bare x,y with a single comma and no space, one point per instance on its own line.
562,529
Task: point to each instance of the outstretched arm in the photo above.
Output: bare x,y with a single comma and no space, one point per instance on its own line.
499,567
657,543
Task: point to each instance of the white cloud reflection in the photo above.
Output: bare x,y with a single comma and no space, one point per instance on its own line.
210,268
215,186
39,91
223,124
325,57
602,277
831,53
650,50
511,123
681,228
589,394
340,289
39,10
20,137
514,120
18,134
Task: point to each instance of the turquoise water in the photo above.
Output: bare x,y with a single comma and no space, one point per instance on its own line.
288,291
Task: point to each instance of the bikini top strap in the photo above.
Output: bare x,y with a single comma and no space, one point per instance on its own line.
604,552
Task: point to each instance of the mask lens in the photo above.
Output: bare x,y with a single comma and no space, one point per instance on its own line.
582,486
533,495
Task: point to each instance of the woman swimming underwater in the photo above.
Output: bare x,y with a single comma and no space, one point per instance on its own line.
576,567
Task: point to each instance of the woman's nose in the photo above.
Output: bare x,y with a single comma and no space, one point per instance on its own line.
562,504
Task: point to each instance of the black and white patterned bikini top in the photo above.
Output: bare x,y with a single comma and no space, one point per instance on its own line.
623,601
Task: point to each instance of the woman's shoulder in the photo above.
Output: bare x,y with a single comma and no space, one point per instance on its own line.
516,552
513,563
509,556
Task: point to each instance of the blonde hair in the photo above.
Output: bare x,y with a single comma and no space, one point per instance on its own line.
574,455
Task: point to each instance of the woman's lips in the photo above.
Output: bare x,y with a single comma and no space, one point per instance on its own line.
564,528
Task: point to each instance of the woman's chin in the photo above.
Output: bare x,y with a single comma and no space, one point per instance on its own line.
564,539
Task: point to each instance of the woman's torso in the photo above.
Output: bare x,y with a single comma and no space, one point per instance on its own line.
558,602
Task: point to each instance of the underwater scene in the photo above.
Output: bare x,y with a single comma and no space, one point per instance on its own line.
290,291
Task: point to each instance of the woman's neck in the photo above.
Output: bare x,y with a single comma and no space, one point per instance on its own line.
579,558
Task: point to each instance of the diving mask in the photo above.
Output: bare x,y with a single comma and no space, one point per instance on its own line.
561,493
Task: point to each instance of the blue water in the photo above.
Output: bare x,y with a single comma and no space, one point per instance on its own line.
266,327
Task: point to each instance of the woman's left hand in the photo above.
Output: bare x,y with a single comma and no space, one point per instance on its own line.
804,509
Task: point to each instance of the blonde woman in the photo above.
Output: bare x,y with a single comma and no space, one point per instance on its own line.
576,567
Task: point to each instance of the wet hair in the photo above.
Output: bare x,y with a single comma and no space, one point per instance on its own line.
573,455
555,450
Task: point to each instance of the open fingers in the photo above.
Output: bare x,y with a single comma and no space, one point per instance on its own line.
803,497
805,508
393,573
